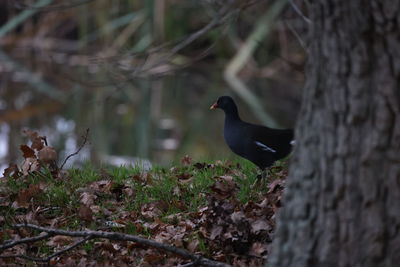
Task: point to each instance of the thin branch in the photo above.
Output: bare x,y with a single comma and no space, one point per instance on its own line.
299,12
44,138
52,7
216,21
22,256
123,237
11,243
48,258
192,264
219,19
85,137
22,17
27,75
263,27
297,35
76,244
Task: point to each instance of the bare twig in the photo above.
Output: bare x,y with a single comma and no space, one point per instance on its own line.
219,19
76,244
165,57
44,138
192,264
85,137
116,236
52,7
299,12
297,35
48,258
13,243
231,73
22,256
216,21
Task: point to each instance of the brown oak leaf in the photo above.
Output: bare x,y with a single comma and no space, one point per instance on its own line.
47,154
27,151
85,213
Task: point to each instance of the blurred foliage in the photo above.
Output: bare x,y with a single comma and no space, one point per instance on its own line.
141,74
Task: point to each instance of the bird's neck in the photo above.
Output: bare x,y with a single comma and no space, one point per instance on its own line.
232,114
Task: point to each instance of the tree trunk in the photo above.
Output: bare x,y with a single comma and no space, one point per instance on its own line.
342,200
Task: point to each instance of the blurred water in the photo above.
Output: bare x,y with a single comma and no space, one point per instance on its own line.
101,66
183,125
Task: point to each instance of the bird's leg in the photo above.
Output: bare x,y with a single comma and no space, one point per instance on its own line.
262,177
265,173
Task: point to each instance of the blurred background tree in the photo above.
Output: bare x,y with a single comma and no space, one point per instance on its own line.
142,74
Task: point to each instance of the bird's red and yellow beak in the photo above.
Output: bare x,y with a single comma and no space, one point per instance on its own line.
214,106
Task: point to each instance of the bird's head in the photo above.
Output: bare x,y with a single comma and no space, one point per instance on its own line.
225,103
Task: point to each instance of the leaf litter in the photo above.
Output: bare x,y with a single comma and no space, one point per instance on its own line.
223,228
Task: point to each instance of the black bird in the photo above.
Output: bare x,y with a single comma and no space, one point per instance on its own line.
259,144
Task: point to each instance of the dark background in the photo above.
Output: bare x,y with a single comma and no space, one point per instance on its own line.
126,70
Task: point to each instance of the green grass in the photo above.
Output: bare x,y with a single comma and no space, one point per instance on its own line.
58,196
124,199
180,189
88,246
80,177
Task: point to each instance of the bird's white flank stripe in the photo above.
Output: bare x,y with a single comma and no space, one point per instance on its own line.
293,142
264,147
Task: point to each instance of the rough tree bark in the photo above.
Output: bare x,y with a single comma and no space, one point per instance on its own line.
342,201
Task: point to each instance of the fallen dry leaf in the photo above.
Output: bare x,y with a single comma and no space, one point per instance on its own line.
31,134
193,245
150,211
259,225
186,160
153,257
12,171
27,152
103,186
59,240
274,185
30,165
85,213
37,143
47,154
216,232
238,217
87,198
224,187
24,196
258,249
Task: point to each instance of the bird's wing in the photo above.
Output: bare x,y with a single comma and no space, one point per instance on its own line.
271,140
264,147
